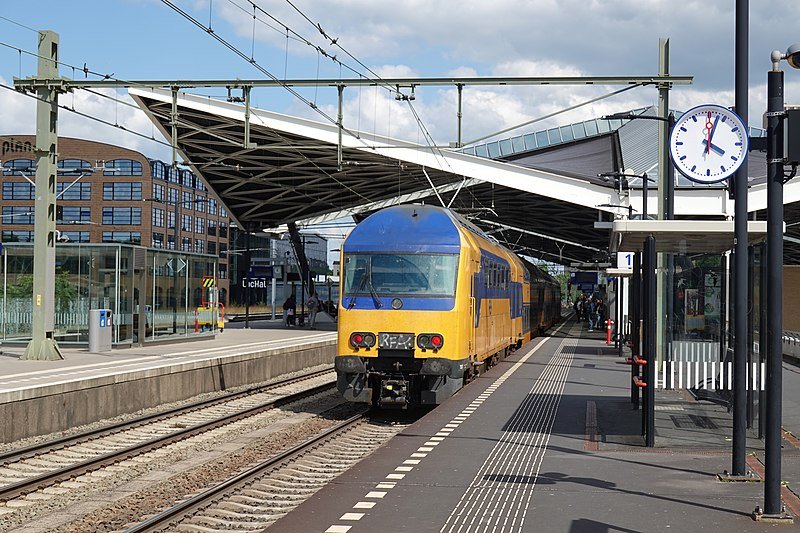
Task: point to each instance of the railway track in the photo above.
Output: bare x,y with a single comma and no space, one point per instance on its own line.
259,496
30,469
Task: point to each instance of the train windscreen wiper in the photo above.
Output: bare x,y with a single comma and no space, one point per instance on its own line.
366,281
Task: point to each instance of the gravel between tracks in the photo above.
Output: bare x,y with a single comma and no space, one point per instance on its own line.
167,475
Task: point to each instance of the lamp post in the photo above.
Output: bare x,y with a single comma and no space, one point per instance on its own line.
775,177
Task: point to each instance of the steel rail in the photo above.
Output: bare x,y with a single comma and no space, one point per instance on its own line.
35,450
169,517
25,486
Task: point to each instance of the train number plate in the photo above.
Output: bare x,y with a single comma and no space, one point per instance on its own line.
396,341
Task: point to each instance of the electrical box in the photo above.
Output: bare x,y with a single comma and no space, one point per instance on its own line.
791,135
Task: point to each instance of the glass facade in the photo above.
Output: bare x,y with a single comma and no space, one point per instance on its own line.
96,276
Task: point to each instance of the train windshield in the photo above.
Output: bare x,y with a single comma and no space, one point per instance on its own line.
400,274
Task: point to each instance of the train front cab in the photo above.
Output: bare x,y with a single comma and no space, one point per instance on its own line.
398,348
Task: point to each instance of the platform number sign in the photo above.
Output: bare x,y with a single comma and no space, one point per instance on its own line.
624,259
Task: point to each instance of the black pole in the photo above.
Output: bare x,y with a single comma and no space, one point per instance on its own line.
302,288
249,267
670,277
635,297
740,270
621,318
650,355
751,393
175,270
647,317
763,339
774,386
644,195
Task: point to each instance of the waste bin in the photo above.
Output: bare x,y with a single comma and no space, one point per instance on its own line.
99,330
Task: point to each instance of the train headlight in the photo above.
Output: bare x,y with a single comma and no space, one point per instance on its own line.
349,364
362,340
432,341
435,366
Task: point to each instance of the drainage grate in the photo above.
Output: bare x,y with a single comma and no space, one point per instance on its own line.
692,422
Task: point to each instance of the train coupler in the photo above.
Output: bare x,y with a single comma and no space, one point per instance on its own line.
394,393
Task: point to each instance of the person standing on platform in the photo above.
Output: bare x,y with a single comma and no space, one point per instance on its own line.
313,309
589,310
289,307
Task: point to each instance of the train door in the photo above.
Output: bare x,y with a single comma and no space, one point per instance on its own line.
474,302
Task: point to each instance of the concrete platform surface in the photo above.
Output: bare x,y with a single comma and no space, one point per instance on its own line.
546,441
78,364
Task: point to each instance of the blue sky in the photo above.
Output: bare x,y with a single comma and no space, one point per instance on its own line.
146,39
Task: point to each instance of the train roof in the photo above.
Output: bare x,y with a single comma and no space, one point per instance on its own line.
406,228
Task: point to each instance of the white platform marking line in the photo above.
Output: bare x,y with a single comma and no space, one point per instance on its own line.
376,494
364,505
338,529
352,516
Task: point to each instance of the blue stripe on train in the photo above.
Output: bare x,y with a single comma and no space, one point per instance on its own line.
409,304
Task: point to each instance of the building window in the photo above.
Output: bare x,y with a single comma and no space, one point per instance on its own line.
187,178
223,250
158,192
75,236
173,196
18,191
122,191
186,244
186,223
223,272
158,217
212,247
123,237
187,200
158,240
157,169
223,230
68,214
17,236
74,191
199,225
17,214
122,216
122,167
200,204
19,167
171,220
198,246
212,228
212,207
222,212
171,242
74,166
172,175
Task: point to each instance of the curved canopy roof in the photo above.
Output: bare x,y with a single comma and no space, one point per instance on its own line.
543,202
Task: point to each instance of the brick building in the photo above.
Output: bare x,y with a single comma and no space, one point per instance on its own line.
109,194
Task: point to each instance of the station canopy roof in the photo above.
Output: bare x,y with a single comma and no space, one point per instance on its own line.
541,201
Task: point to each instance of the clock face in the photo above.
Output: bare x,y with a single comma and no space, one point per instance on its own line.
708,143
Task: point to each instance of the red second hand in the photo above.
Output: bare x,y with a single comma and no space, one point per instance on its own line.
708,133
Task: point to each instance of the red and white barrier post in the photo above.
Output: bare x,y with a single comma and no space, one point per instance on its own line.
609,327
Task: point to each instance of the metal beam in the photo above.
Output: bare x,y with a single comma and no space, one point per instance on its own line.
536,234
66,84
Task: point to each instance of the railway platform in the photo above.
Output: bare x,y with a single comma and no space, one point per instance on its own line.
548,441
41,397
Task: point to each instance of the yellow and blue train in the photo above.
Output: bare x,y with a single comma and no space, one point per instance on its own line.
427,302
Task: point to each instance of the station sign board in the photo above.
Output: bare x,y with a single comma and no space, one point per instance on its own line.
255,283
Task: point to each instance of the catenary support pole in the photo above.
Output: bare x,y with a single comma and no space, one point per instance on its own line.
740,270
43,345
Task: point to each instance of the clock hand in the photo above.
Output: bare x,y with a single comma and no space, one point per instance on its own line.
707,129
713,129
714,147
